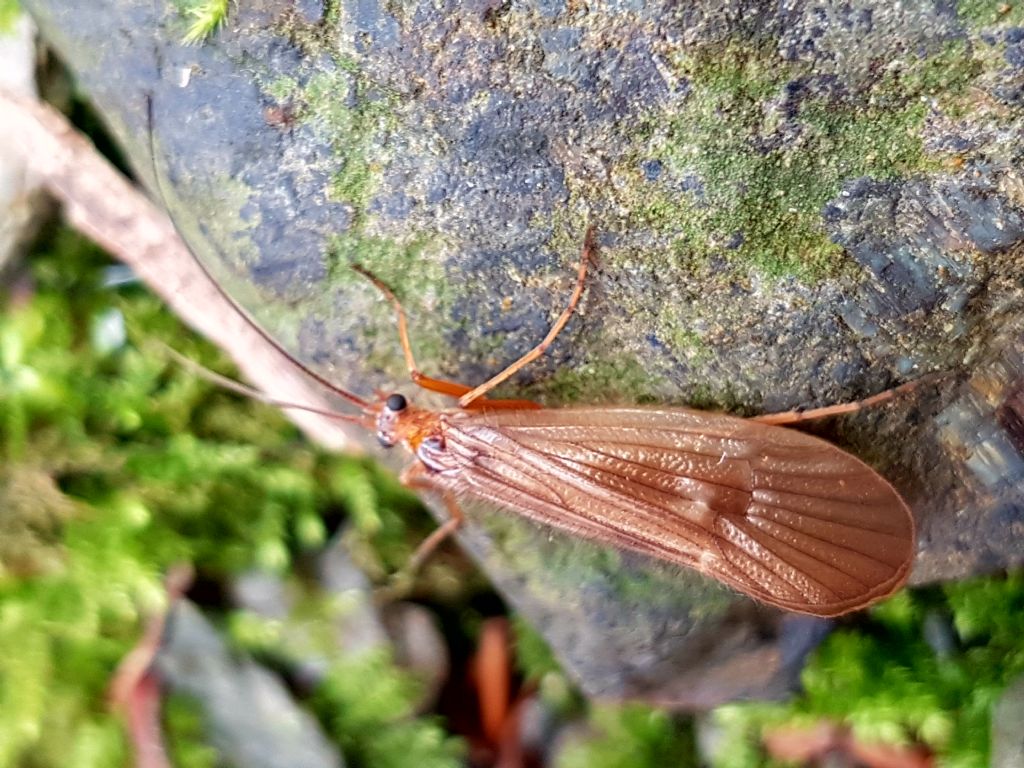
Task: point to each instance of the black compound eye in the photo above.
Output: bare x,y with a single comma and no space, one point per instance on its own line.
396,402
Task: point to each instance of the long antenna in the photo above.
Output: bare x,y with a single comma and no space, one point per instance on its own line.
324,382
245,390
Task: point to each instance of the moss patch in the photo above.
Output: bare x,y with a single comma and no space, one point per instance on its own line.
120,465
633,735
751,159
890,685
609,380
203,18
984,14
356,117
9,12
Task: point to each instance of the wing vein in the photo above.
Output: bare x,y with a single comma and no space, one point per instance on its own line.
771,565
639,465
602,496
810,555
829,542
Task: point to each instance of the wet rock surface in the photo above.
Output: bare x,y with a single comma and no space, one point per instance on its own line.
796,204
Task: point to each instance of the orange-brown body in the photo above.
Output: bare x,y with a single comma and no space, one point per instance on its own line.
781,516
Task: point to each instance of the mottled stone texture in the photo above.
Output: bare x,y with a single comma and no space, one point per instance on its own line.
796,203
251,718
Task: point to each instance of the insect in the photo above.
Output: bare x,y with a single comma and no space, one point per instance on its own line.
779,515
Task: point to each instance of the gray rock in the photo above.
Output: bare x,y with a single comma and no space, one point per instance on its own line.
251,719
796,204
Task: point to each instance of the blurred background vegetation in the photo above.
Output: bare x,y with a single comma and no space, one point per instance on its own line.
118,464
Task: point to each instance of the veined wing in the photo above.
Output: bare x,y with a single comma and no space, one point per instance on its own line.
782,516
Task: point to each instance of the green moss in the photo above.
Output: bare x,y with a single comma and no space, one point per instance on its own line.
365,704
356,117
355,114
633,736
740,726
612,380
122,465
227,230
887,683
10,10
35,511
221,242
332,12
390,260
984,14
395,264
762,197
674,321
533,654
204,18
185,733
324,37
388,521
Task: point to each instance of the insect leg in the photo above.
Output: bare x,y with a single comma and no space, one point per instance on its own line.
588,244
420,379
793,417
415,478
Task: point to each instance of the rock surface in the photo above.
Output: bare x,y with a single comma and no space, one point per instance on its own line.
796,203
251,718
